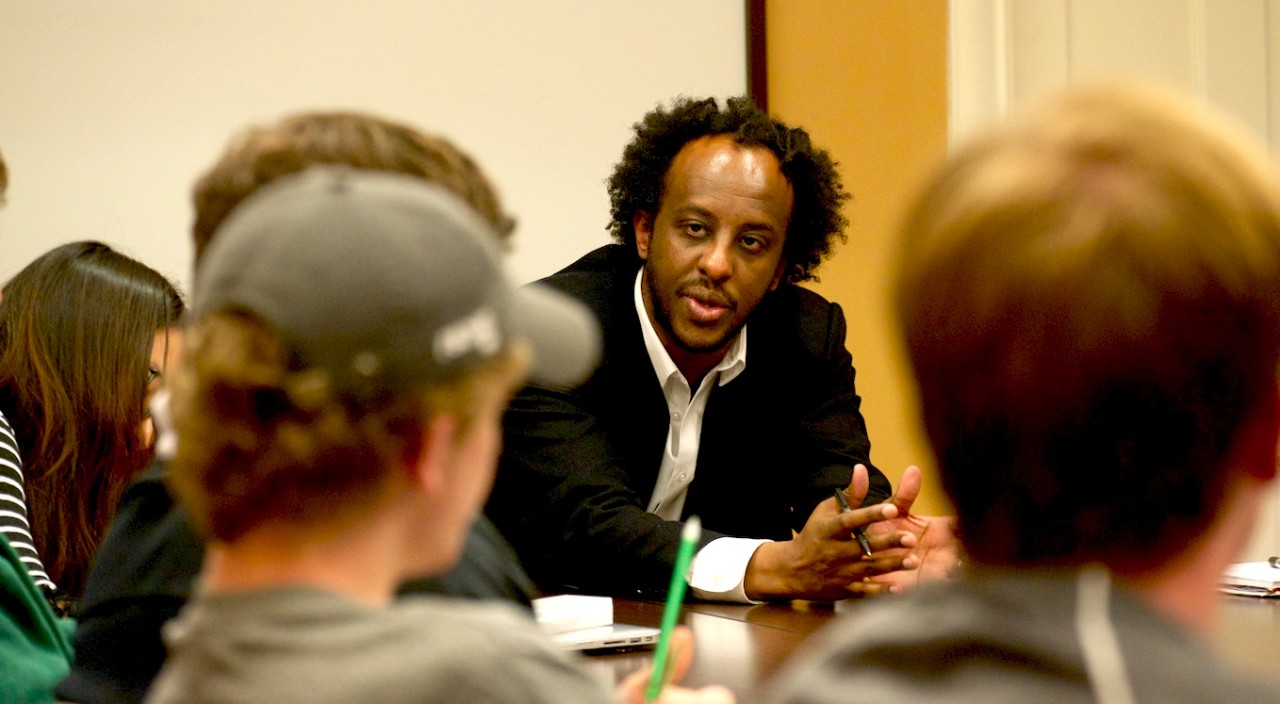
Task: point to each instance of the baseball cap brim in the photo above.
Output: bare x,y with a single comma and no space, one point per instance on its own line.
564,335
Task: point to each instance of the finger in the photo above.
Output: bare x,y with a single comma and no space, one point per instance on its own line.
864,588
899,581
681,653
876,565
859,485
895,563
863,517
631,689
714,694
895,580
891,540
908,489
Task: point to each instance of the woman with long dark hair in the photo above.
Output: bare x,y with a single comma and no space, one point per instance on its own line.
84,332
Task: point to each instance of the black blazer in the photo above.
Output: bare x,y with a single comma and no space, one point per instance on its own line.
578,467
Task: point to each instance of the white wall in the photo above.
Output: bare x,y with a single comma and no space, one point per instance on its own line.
1005,53
110,108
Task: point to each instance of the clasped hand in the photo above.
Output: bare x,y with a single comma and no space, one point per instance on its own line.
823,561
935,547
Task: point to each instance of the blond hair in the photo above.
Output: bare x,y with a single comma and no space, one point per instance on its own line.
1091,303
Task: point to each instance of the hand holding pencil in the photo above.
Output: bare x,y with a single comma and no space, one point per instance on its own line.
674,652
632,689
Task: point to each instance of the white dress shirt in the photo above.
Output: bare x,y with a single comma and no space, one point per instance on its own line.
719,568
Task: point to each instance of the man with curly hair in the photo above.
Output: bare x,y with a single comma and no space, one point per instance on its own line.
719,211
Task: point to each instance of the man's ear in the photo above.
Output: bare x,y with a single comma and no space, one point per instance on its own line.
428,459
642,223
780,274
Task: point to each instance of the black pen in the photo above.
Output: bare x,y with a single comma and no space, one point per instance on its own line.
859,534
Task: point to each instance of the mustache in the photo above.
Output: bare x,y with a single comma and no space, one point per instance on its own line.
707,292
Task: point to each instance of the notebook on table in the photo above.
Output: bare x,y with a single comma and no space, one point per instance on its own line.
1252,578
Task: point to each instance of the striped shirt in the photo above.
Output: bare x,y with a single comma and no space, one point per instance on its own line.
13,508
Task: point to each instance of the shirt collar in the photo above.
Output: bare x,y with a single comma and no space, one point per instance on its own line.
733,363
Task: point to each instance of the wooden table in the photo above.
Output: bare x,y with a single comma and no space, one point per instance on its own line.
1248,635
742,647
737,646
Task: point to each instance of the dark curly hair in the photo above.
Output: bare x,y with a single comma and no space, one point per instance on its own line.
638,180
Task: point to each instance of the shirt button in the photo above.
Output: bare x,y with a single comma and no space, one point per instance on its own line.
684,476
675,415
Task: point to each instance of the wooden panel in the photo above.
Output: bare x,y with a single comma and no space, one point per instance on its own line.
867,79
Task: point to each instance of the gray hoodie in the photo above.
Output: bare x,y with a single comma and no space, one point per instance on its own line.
998,637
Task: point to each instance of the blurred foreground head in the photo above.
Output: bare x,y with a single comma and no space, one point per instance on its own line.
336,313
1090,298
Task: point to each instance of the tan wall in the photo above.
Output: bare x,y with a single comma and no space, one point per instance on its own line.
868,80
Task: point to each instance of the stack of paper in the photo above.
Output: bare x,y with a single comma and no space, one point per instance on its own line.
1251,579
572,612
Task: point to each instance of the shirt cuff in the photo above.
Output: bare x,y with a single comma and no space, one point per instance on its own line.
720,568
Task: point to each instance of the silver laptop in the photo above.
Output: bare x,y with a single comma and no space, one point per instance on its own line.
616,636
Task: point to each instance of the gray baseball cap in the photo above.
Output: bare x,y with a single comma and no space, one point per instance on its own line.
386,281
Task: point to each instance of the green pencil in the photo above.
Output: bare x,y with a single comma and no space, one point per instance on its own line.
675,597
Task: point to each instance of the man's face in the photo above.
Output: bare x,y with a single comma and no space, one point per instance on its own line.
714,248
